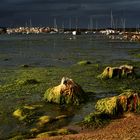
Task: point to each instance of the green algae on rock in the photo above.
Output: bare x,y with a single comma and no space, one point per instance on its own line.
127,101
26,113
62,131
84,62
68,92
46,123
43,120
120,72
61,117
19,114
27,81
19,137
96,119
110,107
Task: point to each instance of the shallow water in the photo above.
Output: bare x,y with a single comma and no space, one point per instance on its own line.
54,50
60,51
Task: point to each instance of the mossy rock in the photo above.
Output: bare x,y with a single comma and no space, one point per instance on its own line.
27,82
41,124
84,62
96,119
25,66
107,105
26,113
61,117
43,120
123,71
68,92
19,137
62,131
127,101
19,113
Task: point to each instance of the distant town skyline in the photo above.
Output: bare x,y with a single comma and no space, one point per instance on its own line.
70,13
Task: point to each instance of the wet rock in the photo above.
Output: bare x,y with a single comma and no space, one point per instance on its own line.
68,92
19,137
120,72
62,131
19,114
96,119
6,59
129,101
31,81
27,81
26,113
61,117
43,120
44,123
108,108
84,62
25,66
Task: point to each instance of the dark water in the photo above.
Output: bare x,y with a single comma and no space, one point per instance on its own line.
60,51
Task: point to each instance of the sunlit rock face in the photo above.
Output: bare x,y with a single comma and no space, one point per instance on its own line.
128,101
120,72
67,92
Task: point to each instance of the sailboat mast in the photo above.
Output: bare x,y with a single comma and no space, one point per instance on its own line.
63,25
96,25
76,25
70,24
91,23
30,22
111,20
123,24
55,24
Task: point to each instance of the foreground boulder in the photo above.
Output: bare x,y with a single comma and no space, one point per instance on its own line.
108,108
129,101
120,72
68,92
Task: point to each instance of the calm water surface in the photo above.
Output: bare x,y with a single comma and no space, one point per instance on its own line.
59,50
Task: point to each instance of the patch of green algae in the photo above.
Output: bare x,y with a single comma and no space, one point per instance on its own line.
16,92
62,131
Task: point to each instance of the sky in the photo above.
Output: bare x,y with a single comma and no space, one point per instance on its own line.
66,12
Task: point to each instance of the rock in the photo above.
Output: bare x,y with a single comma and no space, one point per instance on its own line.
26,113
129,101
25,66
62,131
19,114
68,92
127,70
120,72
6,59
43,120
18,137
61,117
27,82
47,134
84,62
96,119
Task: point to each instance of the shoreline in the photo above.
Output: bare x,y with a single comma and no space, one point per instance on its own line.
125,128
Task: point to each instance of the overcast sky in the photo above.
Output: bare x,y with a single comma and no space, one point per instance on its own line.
43,12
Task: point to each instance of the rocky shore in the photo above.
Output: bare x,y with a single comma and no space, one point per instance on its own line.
125,128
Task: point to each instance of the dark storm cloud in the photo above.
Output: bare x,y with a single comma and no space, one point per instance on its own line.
19,11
